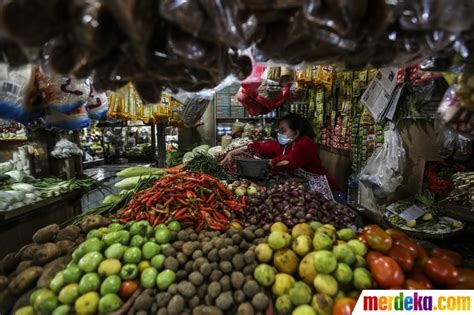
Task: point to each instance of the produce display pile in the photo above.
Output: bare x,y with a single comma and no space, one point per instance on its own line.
36,264
203,162
18,190
293,203
199,41
162,270
173,243
463,191
397,262
194,199
314,269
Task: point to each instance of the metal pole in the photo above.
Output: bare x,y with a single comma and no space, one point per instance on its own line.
153,143
161,144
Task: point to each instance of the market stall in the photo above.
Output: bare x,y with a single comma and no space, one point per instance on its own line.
261,157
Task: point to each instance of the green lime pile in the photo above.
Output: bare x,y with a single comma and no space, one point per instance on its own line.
106,269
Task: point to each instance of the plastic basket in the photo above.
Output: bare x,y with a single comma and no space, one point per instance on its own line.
253,168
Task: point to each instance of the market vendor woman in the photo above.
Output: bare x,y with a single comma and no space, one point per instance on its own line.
294,149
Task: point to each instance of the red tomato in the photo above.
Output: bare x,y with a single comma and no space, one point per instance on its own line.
127,289
362,238
409,246
372,256
447,255
379,240
386,272
441,271
419,276
465,279
411,284
396,234
371,227
422,253
402,257
343,306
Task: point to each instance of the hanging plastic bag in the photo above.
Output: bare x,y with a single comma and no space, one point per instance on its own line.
17,89
97,104
456,116
463,150
446,142
76,119
63,94
384,170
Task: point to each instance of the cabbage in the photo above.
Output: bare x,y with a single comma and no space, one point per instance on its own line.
188,156
6,167
201,149
17,196
215,151
16,176
27,188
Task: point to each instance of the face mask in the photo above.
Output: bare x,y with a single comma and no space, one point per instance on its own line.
283,140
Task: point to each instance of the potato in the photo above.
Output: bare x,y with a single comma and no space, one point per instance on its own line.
28,251
46,234
23,300
66,246
46,253
23,265
25,280
9,263
176,304
186,289
7,300
144,300
69,233
94,221
50,270
3,282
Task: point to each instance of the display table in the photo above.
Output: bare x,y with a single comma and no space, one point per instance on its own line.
18,226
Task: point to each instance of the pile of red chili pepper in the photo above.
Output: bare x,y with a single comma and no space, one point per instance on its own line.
192,198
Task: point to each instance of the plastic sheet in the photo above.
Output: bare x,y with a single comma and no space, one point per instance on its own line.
384,169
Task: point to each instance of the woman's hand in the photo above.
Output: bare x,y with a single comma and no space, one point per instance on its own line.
227,159
231,154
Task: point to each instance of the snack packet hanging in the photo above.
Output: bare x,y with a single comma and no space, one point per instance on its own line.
17,90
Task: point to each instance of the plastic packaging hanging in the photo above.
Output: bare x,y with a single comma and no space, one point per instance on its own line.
76,119
446,142
63,94
17,89
97,104
463,150
384,170
454,115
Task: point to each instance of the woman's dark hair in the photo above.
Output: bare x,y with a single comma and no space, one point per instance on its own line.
298,123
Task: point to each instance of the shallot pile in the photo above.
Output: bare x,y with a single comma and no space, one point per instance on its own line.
291,204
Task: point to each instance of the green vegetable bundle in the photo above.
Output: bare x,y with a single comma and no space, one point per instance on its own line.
205,163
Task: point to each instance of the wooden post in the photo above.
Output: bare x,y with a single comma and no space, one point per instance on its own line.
161,144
